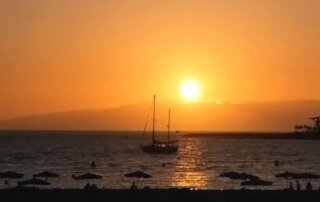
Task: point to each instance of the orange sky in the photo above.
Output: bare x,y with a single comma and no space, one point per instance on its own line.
58,55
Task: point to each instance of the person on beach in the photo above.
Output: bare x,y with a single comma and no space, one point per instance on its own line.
298,185
309,186
88,186
133,186
290,186
93,186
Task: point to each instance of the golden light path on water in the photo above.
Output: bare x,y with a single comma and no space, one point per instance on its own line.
188,172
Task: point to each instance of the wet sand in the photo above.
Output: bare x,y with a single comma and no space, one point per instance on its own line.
168,195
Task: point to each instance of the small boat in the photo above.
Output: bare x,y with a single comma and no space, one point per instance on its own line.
159,147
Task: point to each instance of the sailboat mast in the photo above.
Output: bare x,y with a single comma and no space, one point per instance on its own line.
154,118
169,114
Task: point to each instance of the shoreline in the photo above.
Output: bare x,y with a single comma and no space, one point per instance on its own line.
32,194
255,135
184,134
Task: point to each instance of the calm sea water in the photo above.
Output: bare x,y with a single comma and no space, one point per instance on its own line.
197,164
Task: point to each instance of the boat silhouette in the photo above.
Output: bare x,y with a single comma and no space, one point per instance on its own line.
160,147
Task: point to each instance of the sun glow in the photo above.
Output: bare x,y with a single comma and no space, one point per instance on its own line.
190,90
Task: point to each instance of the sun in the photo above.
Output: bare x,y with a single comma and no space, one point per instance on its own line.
190,90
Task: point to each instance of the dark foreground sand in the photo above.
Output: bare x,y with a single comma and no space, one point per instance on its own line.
168,195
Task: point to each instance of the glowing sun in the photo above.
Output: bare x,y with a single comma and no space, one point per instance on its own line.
190,90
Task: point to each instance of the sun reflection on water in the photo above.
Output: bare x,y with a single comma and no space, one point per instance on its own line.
188,171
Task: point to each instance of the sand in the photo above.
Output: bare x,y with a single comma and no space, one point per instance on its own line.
168,195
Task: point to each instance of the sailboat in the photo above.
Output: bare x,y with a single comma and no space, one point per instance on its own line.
159,147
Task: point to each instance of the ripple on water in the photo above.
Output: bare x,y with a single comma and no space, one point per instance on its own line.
197,164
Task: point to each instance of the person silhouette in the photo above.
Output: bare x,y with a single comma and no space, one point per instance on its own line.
93,164
88,186
291,186
309,186
298,185
93,186
133,186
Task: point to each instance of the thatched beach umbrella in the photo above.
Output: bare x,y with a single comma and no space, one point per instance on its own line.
11,175
238,176
287,175
307,176
34,182
46,175
256,182
87,176
138,174
231,175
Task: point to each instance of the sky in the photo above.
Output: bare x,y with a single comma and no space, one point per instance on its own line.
58,55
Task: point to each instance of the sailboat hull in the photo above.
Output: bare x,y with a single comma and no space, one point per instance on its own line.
160,149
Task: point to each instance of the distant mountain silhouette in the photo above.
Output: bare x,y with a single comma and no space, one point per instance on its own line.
245,116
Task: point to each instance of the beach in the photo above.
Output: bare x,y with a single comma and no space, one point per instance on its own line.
61,195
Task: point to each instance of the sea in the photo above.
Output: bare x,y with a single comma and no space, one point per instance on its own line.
197,164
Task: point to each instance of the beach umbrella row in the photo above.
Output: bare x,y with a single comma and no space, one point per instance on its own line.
16,175
287,175
38,182
11,175
46,174
87,176
251,180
